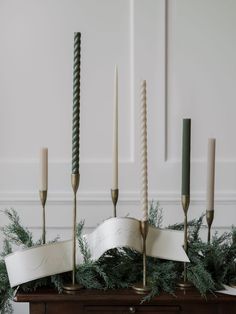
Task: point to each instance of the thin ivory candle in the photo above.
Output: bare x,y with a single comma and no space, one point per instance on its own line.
210,174
115,134
43,185
143,151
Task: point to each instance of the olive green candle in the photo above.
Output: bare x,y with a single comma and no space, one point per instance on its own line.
76,105
186,148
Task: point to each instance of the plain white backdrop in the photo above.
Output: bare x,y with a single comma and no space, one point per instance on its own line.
185,50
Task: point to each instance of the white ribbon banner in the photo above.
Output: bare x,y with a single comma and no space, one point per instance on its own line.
55,258
125,232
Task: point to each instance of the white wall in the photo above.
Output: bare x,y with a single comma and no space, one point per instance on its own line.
185,49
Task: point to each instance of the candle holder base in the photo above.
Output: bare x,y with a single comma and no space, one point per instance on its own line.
140,288
72,288
183,285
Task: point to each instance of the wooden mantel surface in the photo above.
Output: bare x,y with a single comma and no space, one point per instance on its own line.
120,296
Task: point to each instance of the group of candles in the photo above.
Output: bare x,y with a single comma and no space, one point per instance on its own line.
186,144
186,154
186,150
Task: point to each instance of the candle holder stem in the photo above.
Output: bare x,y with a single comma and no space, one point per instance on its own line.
185,243
142,287
114,197
43,199
209,218
70,288
144,262
185,284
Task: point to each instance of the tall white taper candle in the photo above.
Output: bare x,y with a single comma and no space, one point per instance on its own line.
143,152
43,183
115,134
210,174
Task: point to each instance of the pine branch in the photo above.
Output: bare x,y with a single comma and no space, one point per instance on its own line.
212,265
155,218
15,233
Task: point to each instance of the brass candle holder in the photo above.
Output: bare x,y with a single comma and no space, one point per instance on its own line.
142,287
185,284
114,197
43,199
72,287
209,219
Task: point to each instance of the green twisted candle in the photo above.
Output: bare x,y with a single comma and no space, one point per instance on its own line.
76,105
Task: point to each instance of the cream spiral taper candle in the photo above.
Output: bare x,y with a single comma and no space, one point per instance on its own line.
143,151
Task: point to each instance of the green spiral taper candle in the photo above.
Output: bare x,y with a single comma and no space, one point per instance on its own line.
76,105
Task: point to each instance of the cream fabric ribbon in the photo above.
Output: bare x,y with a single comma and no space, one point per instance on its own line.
55,258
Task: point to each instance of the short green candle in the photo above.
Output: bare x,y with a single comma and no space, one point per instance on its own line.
186,148
76,105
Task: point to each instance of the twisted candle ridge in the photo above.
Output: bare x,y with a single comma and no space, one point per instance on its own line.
76,105
143,148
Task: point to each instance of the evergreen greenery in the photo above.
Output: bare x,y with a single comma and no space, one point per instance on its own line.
211,266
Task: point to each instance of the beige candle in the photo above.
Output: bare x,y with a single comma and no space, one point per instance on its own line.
143,152
115,134
210,174
43,184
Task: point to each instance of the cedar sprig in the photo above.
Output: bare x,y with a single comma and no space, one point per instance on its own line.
14,232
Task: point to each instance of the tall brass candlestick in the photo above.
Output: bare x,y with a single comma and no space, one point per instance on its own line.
75,185
75,177
142,287
185,198
185,284
43,199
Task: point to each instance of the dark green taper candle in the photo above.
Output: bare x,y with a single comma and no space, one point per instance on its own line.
186,148
76,105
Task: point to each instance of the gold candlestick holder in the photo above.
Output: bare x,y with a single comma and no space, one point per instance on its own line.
209,219
185,284
114,197
142,287
72,287
43,199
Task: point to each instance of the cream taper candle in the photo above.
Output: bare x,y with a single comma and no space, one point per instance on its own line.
143,151
115,134
43,169
210,174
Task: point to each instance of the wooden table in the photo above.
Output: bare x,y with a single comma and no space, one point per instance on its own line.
125,301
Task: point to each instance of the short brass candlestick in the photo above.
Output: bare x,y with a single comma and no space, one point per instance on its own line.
185,284
72,287
43,199
114,197
209,218
142,287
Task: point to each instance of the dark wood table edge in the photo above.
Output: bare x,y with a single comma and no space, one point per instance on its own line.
124,296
